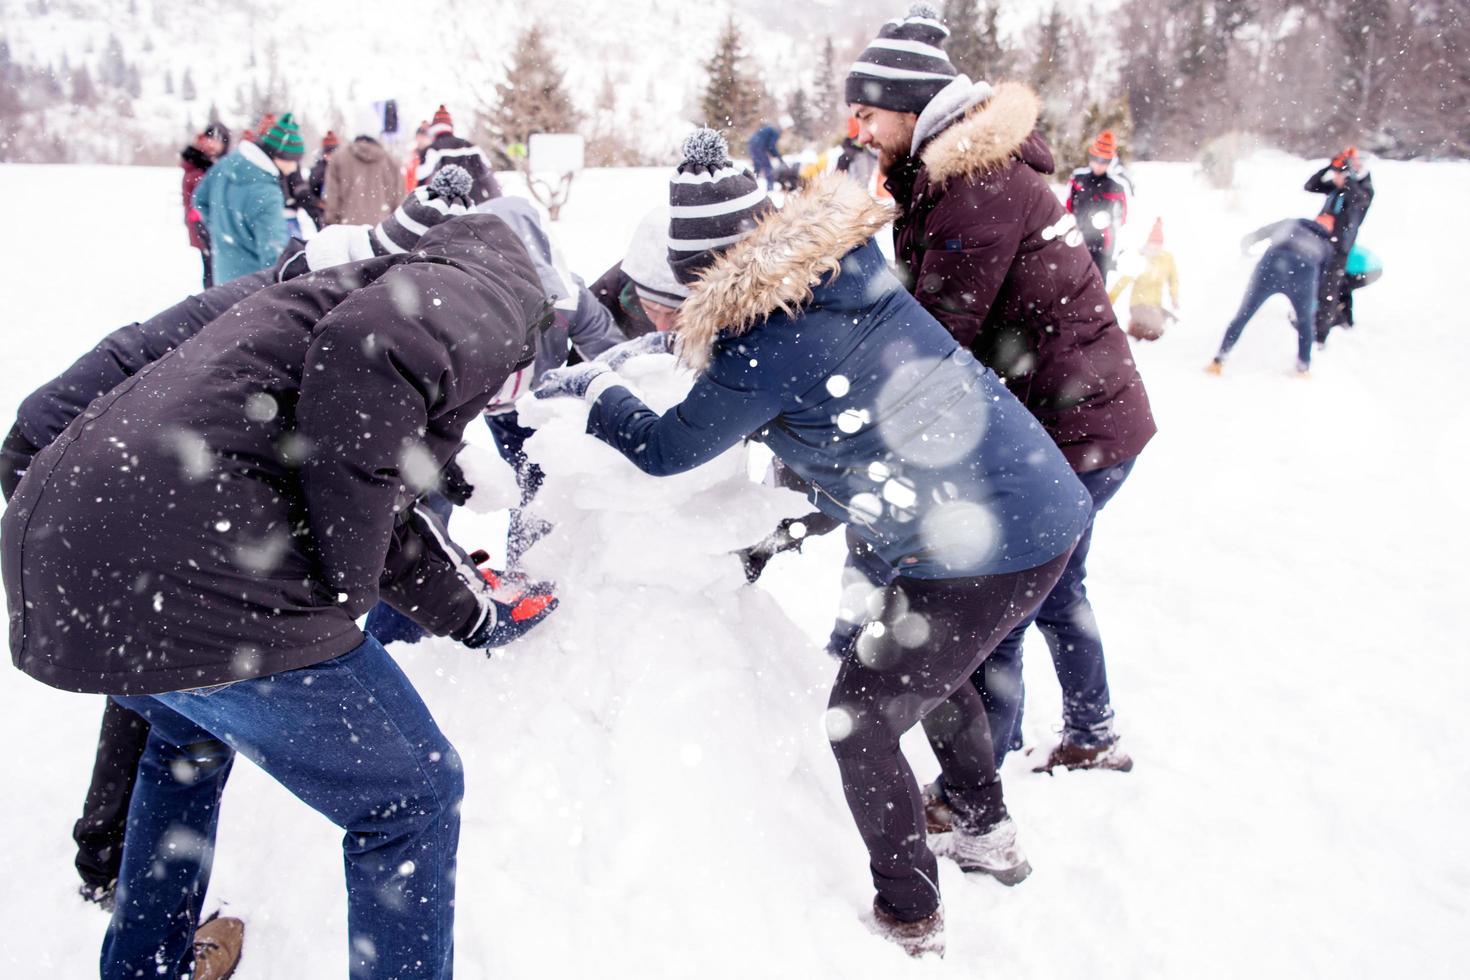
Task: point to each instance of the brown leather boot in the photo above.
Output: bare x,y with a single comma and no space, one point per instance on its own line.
217,947
917,938
1067,756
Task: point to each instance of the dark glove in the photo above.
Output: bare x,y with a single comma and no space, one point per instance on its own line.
658,342
516,607
572,382
454,487
757,556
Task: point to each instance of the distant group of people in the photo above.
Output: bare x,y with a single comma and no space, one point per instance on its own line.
243,202
1312,262
258,468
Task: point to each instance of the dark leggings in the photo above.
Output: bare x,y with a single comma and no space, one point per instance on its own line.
911,664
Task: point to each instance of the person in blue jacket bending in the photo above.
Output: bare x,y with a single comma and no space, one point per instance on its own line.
801,338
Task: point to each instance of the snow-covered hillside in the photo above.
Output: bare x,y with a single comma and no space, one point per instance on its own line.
650,793
332,59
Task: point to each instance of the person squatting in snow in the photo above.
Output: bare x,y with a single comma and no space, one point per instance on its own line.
989,252
803,340
242,499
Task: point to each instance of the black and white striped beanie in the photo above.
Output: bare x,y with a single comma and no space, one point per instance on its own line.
904,67
444,197
712,204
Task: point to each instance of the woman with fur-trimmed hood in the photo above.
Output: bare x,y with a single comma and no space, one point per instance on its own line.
991,253
803,340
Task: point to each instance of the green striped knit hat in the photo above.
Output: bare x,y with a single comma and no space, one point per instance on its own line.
284,140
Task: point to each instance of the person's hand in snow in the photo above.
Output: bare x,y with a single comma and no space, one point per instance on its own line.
577,381
658,342
516,607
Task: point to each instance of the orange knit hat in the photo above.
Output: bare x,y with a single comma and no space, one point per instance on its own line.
1105,147
1156,235
852,127
1327,221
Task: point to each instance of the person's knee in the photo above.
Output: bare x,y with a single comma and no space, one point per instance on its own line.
446,771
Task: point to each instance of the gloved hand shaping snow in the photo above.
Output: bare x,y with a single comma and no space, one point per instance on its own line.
578,381
658,342
516,607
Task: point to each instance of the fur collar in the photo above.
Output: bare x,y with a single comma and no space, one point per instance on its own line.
987,137
775,267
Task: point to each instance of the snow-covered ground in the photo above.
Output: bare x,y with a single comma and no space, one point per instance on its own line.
649,788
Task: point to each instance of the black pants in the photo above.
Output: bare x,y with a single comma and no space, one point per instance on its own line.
1332,297
912,663
99,833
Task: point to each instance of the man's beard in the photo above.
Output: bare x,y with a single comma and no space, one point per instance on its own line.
890,159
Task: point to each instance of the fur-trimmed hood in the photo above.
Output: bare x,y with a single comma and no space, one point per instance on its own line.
990,135
777,266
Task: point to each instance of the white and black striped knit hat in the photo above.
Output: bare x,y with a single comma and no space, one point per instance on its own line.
444,197
904,67
712,204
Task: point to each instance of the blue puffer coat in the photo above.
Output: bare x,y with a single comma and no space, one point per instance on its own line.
242,205
904,434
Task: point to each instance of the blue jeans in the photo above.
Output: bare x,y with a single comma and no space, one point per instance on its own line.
353,740
1284,272
1066,620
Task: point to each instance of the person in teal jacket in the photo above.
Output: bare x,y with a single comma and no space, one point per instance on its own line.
242,205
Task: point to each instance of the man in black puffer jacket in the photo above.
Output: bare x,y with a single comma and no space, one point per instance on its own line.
199,542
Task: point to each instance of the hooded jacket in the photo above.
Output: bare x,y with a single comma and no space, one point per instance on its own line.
231,509
806,342
991,253
578,320
242,206
361,184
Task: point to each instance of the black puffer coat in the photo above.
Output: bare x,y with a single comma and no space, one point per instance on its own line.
230,510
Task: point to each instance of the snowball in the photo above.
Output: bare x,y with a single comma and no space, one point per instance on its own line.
838,386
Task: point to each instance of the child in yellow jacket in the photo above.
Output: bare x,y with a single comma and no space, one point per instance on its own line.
1147,315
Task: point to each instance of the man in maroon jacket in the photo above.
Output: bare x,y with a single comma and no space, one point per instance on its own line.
991,253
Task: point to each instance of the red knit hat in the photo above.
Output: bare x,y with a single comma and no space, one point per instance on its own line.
266,122
1327,221
1105,147
330,141
443,122
1156,235
852,127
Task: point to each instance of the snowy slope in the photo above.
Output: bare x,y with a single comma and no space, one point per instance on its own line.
649,788
334,58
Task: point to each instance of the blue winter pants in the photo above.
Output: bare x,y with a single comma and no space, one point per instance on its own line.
353,740
1280,271
1065,618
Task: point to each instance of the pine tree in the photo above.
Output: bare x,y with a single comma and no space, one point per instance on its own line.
187,92
799,108
168,82
533,98
83,92
732,98
826,101
114,70
1047,71
133,82
974,44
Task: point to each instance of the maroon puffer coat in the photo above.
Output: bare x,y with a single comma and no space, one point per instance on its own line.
992,254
